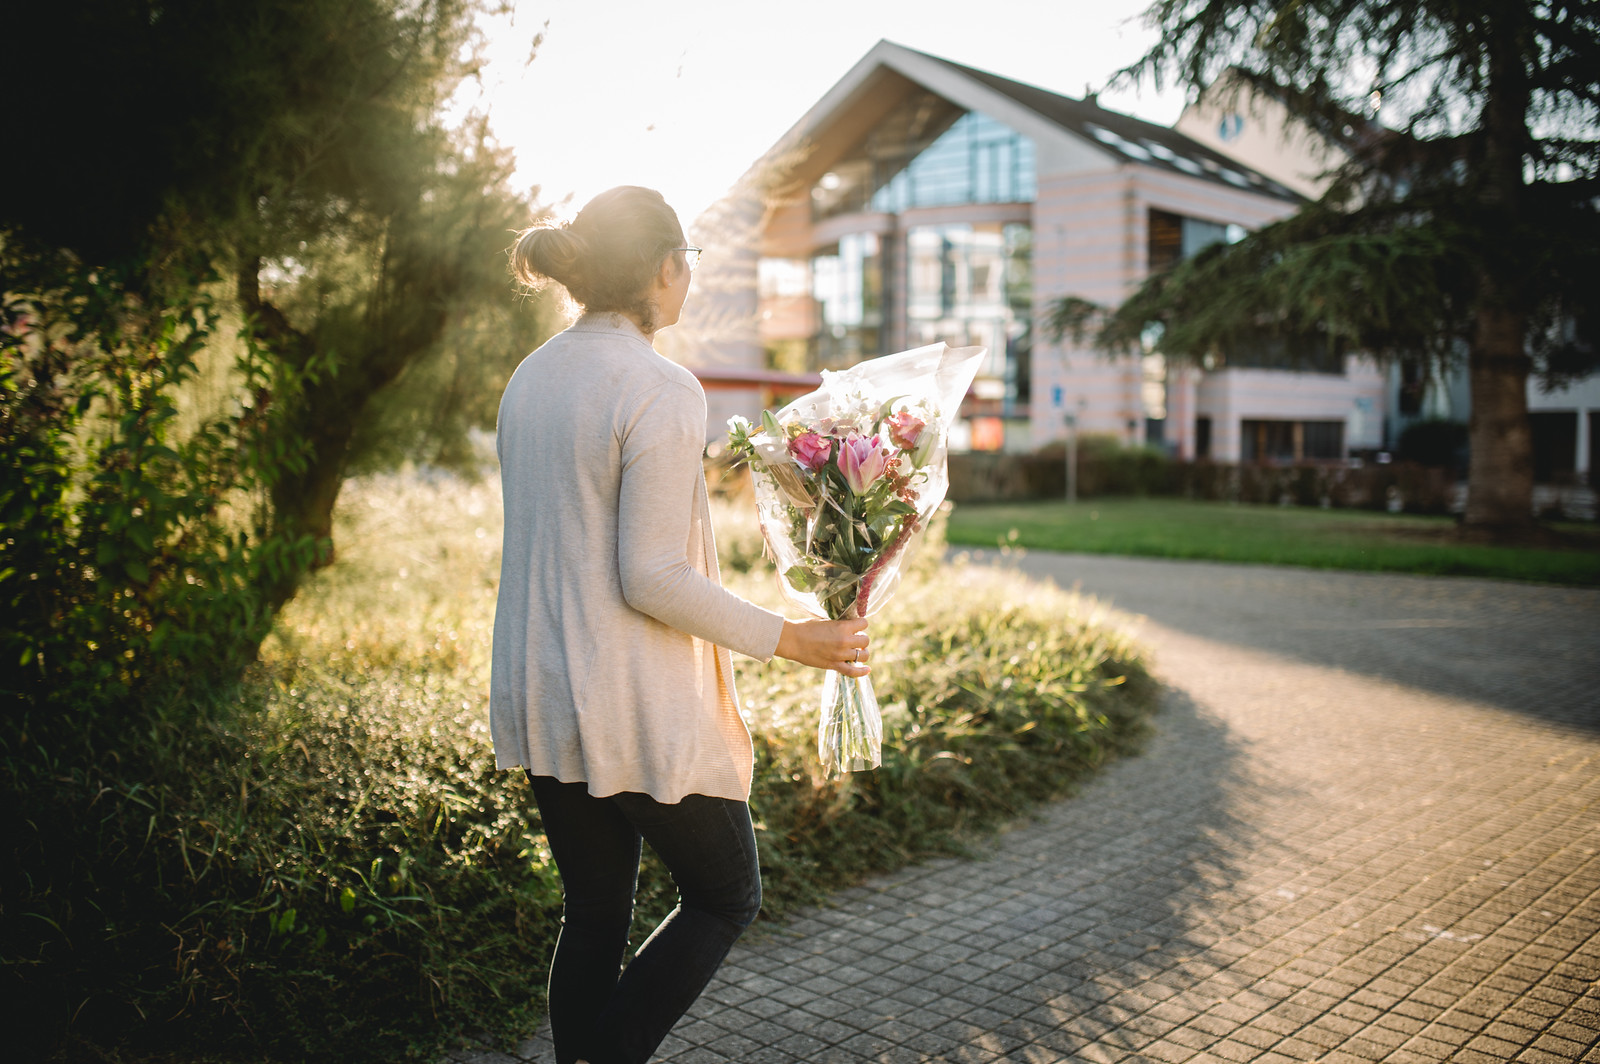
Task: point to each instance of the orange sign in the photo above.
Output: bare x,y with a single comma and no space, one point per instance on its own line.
988,433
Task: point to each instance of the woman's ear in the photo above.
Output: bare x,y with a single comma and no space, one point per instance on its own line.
668,272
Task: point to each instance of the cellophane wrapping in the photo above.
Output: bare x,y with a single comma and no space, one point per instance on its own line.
845,478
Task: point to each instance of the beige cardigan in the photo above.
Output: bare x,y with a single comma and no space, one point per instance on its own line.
609,634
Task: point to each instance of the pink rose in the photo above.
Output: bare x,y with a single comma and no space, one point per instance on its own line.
811,450
905,428
861,461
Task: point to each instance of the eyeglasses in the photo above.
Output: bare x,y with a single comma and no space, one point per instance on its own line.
691,255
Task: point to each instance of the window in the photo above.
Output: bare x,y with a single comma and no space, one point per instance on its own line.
1165,240
847,283
1413,388
782,278
988,434
973,284
1555,445
977,161
1318,355
1322,439
1290,441
929,153
1173,238
1594,448
1202,437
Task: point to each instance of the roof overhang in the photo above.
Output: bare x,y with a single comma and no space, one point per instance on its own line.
878,83
1091,139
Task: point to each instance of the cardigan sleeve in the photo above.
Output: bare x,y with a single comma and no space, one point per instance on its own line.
661,448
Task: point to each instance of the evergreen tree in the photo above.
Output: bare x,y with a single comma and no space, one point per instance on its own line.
1463,224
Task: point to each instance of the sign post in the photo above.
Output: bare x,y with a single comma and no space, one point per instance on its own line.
1072,457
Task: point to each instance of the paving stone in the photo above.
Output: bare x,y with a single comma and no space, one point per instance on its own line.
1168,1052
1258,1035
1237,1052
1531,1055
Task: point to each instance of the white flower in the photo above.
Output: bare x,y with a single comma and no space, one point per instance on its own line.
847,407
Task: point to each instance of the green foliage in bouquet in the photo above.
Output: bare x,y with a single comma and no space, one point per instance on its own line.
849,502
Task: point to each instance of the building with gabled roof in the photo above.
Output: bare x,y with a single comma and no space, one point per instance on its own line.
922,200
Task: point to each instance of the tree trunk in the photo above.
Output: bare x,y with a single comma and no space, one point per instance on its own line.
1500,480
1500,484
303,501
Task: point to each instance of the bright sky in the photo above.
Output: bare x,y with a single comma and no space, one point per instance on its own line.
683,95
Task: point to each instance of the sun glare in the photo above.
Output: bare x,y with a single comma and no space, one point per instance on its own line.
685,97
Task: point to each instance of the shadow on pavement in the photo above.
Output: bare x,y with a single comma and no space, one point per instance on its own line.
1149,870
1529,648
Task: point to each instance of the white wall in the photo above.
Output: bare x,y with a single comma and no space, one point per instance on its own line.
1090,237
1230,396
1261,134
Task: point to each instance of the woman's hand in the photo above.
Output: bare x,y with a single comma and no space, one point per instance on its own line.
837,645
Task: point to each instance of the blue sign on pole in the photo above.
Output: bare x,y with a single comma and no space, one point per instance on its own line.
1055,395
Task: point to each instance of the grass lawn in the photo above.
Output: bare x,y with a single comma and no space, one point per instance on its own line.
1273,535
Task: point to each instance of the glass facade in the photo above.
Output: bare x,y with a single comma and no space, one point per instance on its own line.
972,284
1319,355
966,283
847,284
929,153
1171,238
1555,445
977,160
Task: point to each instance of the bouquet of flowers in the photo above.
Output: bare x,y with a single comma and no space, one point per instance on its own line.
845,477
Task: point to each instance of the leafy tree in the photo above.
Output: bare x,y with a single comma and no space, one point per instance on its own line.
229,227
1471,230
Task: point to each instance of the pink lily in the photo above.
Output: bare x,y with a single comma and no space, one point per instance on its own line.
862,461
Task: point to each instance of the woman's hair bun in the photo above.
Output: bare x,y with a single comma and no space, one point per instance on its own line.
608,255
548,253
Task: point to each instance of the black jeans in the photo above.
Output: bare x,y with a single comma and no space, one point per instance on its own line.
710,849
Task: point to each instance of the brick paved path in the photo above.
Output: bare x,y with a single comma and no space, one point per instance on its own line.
1366,830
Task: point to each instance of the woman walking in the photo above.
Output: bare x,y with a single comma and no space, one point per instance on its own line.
612,681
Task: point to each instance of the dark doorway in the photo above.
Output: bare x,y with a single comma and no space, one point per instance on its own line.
1555,445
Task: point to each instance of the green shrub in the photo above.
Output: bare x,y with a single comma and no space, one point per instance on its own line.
1435,442
334,869
134,558
1107,466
